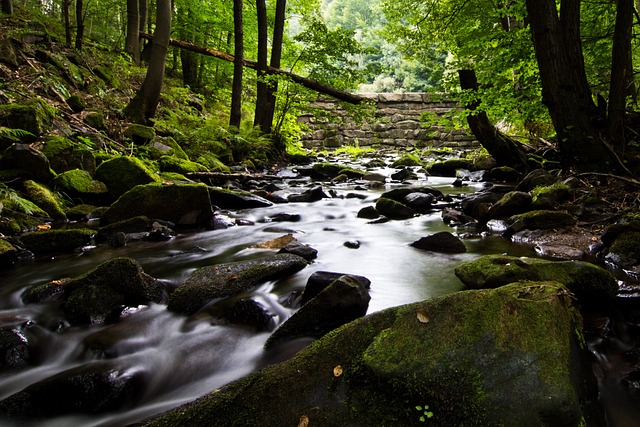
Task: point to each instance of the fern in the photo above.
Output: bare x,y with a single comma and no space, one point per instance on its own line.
14,200
14,134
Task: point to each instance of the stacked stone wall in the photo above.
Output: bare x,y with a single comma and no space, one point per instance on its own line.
396,122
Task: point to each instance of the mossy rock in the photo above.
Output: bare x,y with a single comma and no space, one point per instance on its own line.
34,116
226,280
78,184
510,356
161,146
625,250
590,283
8,252
236,199
29,162
512,203
96,120
176,178
549,196
121,174
80,212
393,209
45,199
182,204
14,223
450,167
174,164
543,219
8,52
76,103
140,134
504,174
407,160
55,241
67,69
212,162
332,170
64,154
106,74
136,224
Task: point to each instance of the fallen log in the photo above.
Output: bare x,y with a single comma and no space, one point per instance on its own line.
308,83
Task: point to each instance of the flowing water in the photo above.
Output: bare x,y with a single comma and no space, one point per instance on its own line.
181,358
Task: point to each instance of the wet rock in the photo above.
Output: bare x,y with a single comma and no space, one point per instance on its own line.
320,280
419,201
449,168
399,194
368,212
441,242
611,233
542,219
535,178
225,280
78,184
249,312
236,199
65,155
559,251
300,249
45,199
343,301
393,209
375,177
505,356
137,224
505,174
159,233
514,202
453,217
404,175
27,162
625,249
8,253
406,160
55,241
312,195
547,197
590,283
15,351
121,174
331,170
101,294
477,205
98,387
352,244
283,217
181,204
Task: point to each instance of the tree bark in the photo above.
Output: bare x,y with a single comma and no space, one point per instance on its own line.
143,106
261,86
276,56
308,83
565,89
66,4
7,7
621,70
79,24
502,148
238,67
132,42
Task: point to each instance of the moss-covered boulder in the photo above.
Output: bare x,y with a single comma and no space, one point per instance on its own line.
542,220
78,184
80,212
27,162
625,249
182,204
587,281
121,174
511,356
34,116
100,294
76,103
140,134
64,155
550,196
449,167
174,164
166,146
332,170
393,209
406,160
54,241
8,252
225,280
504,174
236,199
136,224
45,199
512,203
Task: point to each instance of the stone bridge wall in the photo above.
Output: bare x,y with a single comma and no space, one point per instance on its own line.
396,123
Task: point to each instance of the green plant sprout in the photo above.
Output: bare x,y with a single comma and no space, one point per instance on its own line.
424,412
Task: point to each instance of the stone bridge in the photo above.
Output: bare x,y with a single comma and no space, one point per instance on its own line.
396,123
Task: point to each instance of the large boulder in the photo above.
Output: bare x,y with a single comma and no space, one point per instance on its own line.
236,199
441,242
587,281
45,199
343,301
121,174
182,204
541,220
511,356
34,116
225,280
8,253
54,241
78,184
64,155
394,210
27,163
512,203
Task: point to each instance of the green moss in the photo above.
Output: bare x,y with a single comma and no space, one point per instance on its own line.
78,183
95,119
393,209
34,116
123,173
174,164
550,195
408,159
175,178
140,134
544,219
43,242
627,245
331,170
45,199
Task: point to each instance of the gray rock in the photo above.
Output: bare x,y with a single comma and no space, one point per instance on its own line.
15,351
514,202
393,209
312,195
320,280
441,242
28,162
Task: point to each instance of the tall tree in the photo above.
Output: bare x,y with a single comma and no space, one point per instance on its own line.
143,106
238,65
276,58
7,7
621,69
66,17
565,89
263,52
132,42
79,24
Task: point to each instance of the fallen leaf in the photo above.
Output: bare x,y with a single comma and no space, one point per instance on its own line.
422,317
304,421
57,282
337,371
43,227
277,243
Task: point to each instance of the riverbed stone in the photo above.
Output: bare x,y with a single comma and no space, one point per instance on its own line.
100,294
450,167
590,283
478,205
512,203
15,351
509,356
342,301
541,220
8,252
300,249
252,313
550,196
181,204
123,173
321,279
441,242
97,387
625,249
308,196
236,199
393,209
55,241
399,194
137,224
224,280
535,178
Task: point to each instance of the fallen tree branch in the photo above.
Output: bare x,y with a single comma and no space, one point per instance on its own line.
608,175
308,83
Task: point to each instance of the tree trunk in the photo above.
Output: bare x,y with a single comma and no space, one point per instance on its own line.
276,56
66,4
261,88
621,70
79,24
238,67
565,89
132,43
7,7
502,148
143,106
308,83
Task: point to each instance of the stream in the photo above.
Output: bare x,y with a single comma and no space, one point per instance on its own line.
181,357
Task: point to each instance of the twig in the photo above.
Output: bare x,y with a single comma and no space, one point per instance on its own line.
608,175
